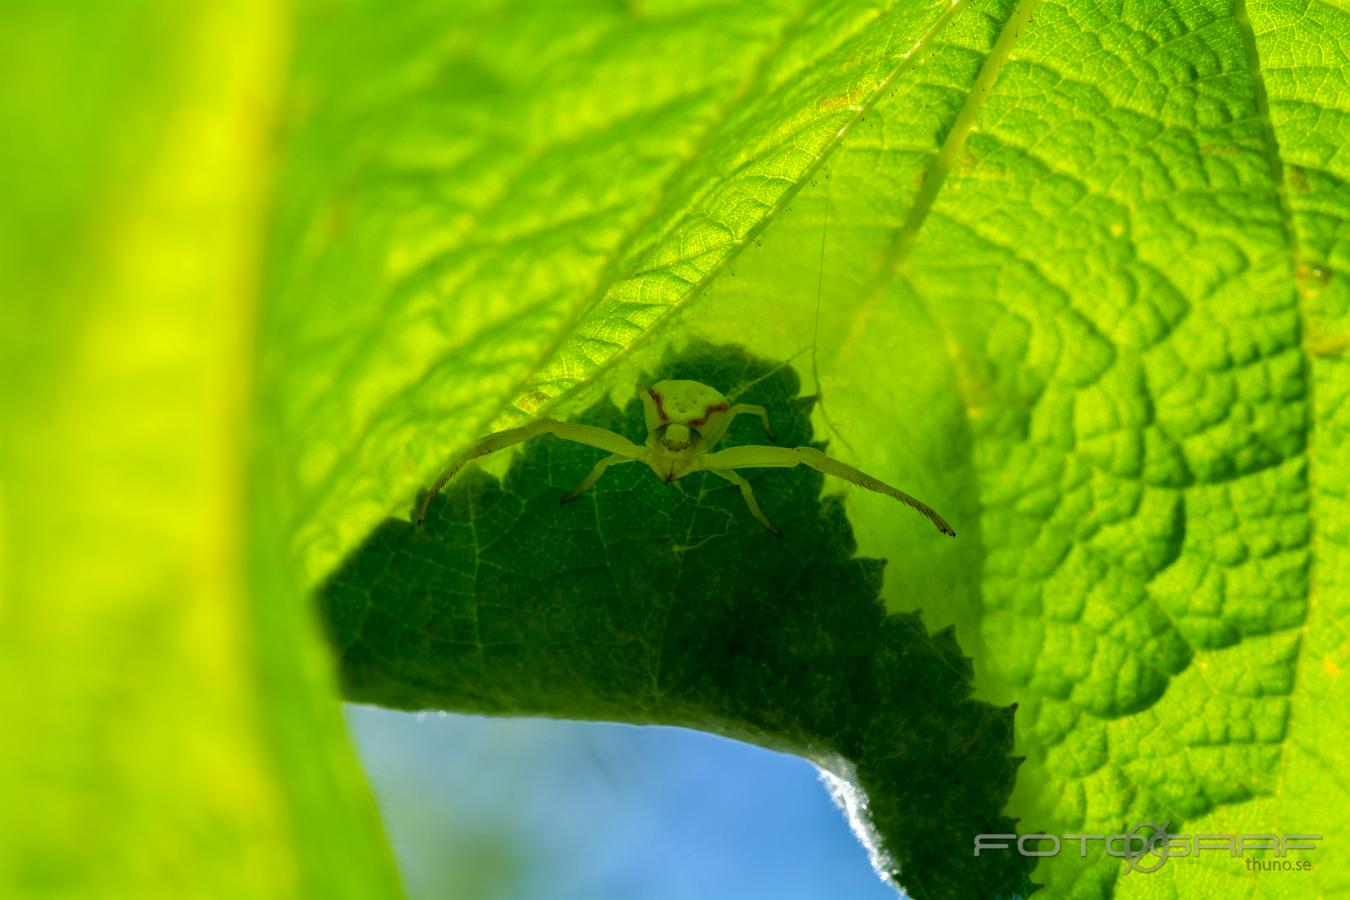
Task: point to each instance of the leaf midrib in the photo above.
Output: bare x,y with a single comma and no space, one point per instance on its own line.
914,55
603,281
1275,161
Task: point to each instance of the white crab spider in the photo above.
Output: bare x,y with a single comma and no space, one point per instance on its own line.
684,420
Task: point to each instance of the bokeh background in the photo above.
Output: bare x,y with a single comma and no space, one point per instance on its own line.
489,809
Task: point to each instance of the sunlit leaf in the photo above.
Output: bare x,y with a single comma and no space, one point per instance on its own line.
1082,284
659,603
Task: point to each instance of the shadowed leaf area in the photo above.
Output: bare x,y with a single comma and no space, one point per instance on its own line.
658,603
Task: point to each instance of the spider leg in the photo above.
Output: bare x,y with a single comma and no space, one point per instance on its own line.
752,457
758,411
600,438
717,428
600,467
749,496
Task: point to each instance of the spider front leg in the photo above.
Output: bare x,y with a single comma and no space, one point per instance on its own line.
753,457
600,438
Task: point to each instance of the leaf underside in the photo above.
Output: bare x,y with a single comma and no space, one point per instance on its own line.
651,603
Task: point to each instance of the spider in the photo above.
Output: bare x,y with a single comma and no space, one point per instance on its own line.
684,420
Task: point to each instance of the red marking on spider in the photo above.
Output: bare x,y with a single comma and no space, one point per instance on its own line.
701,420
660,410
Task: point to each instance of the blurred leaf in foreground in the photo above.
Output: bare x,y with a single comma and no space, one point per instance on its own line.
169,727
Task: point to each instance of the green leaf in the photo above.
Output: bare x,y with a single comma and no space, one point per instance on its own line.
1102,324
481,207
659,603
170,724
1082,287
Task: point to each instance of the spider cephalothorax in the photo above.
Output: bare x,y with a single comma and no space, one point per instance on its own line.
685,419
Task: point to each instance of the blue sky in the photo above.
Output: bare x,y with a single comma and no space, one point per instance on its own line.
488,809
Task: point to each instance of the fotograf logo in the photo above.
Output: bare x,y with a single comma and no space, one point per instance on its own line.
1148,846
